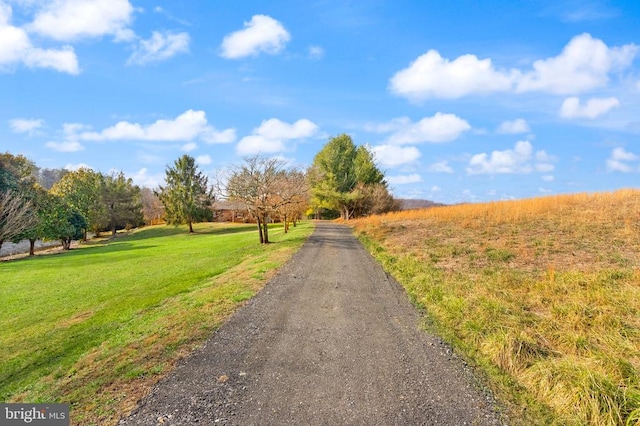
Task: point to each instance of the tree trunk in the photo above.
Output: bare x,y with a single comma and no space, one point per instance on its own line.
66,244
265,227
1,241
345,214
113,230
286,224
190,227
32,246
260,229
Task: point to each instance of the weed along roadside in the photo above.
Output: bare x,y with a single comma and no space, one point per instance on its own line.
543,295
107,320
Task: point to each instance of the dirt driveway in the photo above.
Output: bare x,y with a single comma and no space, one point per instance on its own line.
331,340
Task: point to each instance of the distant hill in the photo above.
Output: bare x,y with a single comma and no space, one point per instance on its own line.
412,204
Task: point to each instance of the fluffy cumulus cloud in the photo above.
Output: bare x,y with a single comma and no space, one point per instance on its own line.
439,128
16,49
28,126
520,159
436,129
71,20
593,108
188,147
261,34
519,125
187,127
432,76
394,155
204,160
159,47
272,136
404,179
620,161
584,64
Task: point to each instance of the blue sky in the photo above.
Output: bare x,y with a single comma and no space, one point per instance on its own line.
461,101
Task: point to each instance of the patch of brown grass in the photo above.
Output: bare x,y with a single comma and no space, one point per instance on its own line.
543,292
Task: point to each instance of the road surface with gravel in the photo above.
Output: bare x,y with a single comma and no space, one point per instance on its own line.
330,340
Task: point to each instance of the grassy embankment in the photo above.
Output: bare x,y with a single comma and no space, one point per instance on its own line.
541,294
97,326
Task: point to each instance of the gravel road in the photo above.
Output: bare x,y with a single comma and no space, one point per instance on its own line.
330,340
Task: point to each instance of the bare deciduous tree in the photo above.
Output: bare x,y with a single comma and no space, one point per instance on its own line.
152,207
16,215
294,192
256,183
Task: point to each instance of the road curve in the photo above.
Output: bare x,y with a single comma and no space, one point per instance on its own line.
330,340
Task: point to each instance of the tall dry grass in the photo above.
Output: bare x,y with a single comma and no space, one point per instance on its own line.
544,294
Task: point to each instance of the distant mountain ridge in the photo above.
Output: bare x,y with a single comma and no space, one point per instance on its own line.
413,204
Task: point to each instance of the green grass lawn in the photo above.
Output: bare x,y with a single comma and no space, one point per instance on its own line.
96,326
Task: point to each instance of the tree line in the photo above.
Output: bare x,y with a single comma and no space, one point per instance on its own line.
35,203
75,202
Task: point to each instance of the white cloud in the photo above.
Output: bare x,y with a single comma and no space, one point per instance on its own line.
436,129
70,138
76,167
432,76
439,128
436,188
619,159
440,167
548,178
593,108
519,125
544,167
316,52
261,34
188,147
621,155
618,166
404,179
70,20
271,136
584,64
186,127
520,159
393,155
29,126
204,160
256,144
16,48
276,129
159,48
65,146
211,135
142,178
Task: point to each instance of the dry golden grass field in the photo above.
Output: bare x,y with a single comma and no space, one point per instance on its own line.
543,295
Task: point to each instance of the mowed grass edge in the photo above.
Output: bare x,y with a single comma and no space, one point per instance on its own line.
543,295
97,326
